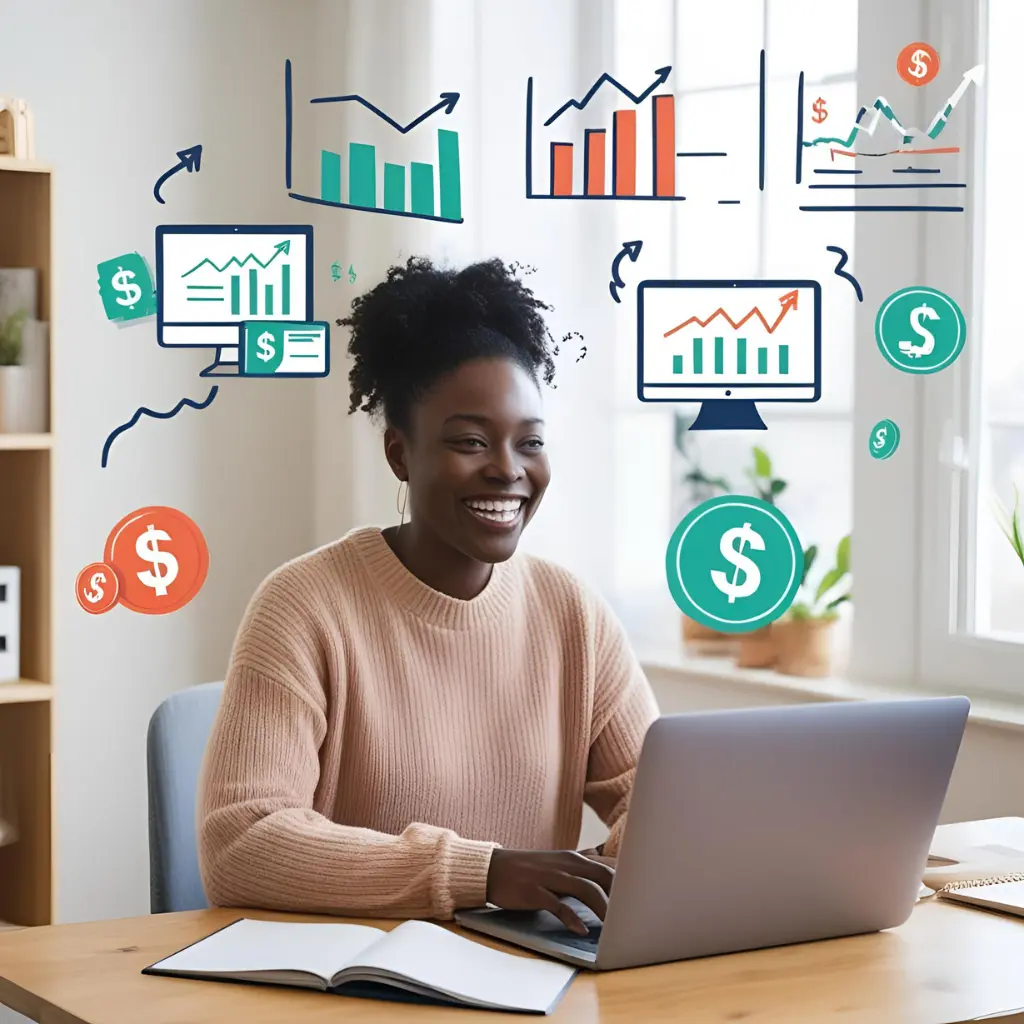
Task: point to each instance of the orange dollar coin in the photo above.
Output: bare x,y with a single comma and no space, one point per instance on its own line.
918,63
161,557
97,588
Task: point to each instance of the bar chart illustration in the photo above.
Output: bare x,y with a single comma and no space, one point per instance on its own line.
353,177
728,344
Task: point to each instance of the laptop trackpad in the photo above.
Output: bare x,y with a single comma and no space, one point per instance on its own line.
545,924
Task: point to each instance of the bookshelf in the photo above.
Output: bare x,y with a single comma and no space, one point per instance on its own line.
26,538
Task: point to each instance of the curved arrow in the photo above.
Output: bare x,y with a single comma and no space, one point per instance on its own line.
630,249
662,74
448,101
188,160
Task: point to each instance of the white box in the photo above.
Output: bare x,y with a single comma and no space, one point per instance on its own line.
10,623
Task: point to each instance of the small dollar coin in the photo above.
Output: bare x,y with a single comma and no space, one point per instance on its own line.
918,63
161,558
920,330
884,440
734,564
97,588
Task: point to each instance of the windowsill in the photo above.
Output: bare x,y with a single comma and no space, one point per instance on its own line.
672,663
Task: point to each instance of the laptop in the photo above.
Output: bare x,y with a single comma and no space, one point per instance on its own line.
763,827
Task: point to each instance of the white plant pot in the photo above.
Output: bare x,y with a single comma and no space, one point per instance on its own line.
15,387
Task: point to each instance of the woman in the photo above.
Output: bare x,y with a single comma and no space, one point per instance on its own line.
414,717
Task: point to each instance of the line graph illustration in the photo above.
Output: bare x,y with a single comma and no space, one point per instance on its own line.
786,302
281,247
636,100
144,411
913,143
883,111
419,190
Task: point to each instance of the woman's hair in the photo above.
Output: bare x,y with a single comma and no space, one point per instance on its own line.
423,321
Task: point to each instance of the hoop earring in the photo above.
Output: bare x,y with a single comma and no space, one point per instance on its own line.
400,505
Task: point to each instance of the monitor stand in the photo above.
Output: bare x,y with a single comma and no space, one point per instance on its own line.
728,414
225,365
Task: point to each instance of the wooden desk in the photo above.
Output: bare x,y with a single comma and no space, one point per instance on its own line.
947,964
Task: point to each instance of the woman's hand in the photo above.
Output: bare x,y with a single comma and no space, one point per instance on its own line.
538,879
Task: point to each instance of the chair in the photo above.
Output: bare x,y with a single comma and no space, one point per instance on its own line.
175,743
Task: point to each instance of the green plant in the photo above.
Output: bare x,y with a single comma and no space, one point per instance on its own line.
821,606
11,331
768,488
700,484
1011,525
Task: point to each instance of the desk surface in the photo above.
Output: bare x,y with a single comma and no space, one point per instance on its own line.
947,963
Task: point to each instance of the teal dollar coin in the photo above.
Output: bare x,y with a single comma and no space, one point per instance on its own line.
734,564
884,440
920,330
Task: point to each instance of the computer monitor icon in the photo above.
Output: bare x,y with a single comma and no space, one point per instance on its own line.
728,345
212,278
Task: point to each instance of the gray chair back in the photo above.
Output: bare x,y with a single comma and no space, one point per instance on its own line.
175,744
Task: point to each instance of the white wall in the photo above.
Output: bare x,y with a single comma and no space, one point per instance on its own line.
116,90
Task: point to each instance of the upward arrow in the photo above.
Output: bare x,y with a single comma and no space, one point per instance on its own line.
662,74
447,104
188,160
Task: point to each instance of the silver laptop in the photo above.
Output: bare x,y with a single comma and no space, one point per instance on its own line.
764,827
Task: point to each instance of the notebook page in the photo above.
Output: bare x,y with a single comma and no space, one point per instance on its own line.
434,956
1005,894
249,945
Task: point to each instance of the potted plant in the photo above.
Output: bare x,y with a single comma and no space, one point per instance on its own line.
803,637
1011,525
13,376
757,649
698,638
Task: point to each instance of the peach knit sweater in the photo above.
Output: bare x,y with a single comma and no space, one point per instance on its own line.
377,739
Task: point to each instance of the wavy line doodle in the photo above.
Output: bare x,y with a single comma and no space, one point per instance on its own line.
843,258
139,413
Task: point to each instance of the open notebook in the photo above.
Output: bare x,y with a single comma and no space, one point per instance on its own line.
416,961
989,889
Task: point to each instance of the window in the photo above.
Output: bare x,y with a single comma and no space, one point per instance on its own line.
973,625
764,236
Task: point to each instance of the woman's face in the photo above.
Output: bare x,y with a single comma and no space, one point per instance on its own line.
475,459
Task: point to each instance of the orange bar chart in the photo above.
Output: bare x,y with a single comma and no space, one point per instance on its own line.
624,159
663,130
593,161
561,168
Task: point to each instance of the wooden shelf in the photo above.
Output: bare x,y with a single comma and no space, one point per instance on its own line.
25,442
10,163
24,691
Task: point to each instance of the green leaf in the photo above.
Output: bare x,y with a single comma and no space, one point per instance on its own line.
720,482
838,601
829,580
762,463
809,556
843,554
800,611
778,486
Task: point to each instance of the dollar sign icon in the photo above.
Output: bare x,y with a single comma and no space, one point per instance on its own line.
820,113
733,553
922,312
148,549
351,274
748,594
95,591
918,64
265,346
880,435
885,439
124,281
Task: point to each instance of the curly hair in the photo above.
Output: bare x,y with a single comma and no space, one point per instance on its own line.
423,321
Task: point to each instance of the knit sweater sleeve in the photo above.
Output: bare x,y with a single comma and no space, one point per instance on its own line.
624,708
261,843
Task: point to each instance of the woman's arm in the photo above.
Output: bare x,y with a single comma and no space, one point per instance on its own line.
624,707
261,844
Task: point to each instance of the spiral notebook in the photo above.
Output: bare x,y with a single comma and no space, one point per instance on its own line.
993,891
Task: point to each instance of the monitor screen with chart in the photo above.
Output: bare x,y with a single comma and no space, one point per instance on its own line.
729,342
212,277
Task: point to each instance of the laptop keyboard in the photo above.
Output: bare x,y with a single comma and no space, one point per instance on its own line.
559,933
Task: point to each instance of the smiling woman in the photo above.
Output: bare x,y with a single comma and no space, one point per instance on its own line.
414,717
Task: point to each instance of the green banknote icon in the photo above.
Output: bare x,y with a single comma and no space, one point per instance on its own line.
285,348
920,330
734,564
126,287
